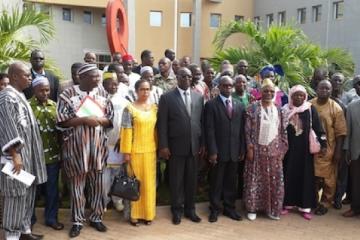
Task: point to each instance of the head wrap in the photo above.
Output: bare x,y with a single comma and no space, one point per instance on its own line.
293,111
109,75
127,57
87,67
267,83
146,69
270,68
40,80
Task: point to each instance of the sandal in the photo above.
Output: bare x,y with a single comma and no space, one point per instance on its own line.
307,216
284,212
321,210
134,223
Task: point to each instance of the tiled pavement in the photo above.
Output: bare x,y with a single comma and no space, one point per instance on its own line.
292,226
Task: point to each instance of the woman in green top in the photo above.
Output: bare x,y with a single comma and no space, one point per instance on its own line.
45,113
241,93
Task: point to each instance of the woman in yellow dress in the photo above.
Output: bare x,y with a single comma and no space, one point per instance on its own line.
138,144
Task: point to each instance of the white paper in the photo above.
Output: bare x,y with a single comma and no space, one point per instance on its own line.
23,176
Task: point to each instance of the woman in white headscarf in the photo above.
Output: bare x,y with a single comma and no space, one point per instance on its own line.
298,162
266,138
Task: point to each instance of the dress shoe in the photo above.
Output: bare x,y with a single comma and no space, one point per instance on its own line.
213,217
350,213
56,226
346,201
233,215
337,205
98,226
176,219
30,237
75,230
193,217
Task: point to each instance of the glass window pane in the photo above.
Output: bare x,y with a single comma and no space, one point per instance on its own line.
155,18
87,17
215,20
103,20
66,14
185,19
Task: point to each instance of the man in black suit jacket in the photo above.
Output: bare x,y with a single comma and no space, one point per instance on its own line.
224,127
180,130
37,61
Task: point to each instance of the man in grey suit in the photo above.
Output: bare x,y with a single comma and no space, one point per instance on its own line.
352,146
180,132
225,141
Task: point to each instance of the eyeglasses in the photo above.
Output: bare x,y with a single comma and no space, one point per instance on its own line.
38,58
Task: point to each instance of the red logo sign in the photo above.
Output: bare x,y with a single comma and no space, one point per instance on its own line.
117,27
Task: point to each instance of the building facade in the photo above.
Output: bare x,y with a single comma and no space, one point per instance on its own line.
330,23
153,24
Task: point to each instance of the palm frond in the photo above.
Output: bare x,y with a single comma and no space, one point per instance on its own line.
285,45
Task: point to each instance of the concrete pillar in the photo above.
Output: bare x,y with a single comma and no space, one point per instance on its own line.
175,26
197,31
130,9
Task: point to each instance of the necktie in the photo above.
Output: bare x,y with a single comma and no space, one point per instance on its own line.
228,108
187,103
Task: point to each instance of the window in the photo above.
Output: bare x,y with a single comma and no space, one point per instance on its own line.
103,59
185,19
282,18
269,19
43,8
88,17
257,21
316,13
239,18
155,18
103,20
338,9
215,20
301,15
67,14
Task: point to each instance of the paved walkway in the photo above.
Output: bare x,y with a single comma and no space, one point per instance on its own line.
292,226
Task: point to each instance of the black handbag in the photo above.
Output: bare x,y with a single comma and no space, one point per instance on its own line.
125,186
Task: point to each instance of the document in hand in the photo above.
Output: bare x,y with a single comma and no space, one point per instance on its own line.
90,108
23,176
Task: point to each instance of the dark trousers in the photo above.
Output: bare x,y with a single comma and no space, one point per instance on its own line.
183,183
342,181
223,182
355,185
50,190
241,166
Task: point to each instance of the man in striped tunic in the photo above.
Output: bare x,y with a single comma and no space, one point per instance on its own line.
84,146
20,145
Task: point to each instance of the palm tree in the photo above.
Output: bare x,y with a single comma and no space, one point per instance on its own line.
15,41
284,45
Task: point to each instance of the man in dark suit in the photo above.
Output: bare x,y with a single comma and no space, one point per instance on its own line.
180,132
224,127
37,61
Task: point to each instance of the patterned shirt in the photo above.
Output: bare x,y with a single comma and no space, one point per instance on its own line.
84,148
166,84
45,115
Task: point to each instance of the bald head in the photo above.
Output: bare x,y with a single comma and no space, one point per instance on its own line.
337,80
164,65
225,86
324,90
90,57
242,66
19,76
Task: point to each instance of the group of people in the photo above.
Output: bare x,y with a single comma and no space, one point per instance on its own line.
277,149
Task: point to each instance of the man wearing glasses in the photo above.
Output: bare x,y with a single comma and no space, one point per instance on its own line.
37,61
